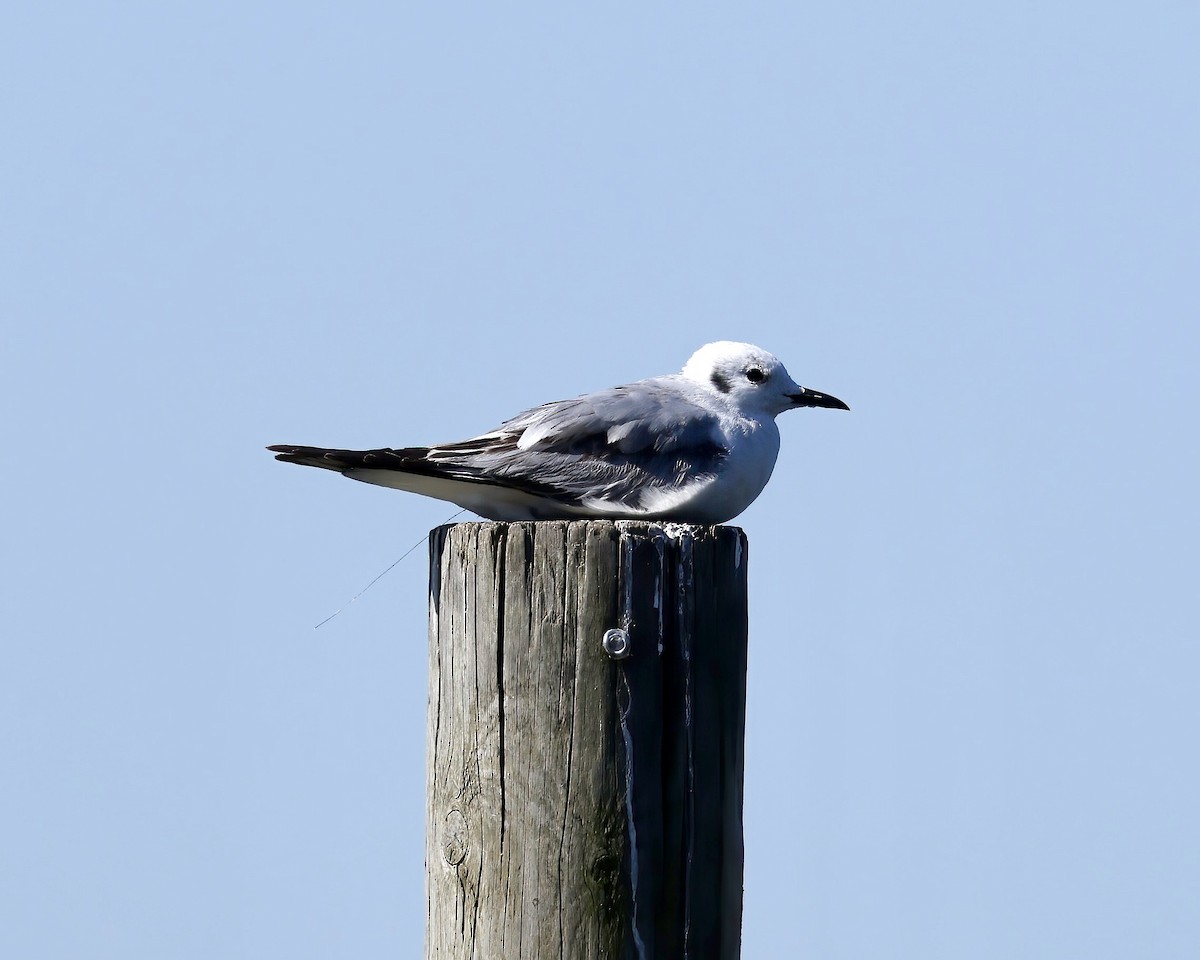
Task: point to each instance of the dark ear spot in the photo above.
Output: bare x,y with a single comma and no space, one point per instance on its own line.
720,381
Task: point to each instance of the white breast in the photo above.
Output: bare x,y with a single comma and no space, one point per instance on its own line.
754,447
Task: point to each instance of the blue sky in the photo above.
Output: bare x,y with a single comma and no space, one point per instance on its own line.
974,645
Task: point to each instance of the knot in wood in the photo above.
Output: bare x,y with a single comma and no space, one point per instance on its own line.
455,838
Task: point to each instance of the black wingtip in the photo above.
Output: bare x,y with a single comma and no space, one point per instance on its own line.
307,456
283,451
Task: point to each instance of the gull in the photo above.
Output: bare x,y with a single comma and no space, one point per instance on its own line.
691,447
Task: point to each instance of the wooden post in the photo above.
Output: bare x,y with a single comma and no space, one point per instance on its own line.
585,786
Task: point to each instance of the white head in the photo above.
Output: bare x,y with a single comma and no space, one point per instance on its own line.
751,379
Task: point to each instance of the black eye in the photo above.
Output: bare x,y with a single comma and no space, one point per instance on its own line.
754,375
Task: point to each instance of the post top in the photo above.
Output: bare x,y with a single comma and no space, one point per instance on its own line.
631,528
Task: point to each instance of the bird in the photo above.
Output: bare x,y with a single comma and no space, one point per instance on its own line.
695,447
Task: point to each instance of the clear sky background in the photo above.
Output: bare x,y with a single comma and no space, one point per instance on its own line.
975,655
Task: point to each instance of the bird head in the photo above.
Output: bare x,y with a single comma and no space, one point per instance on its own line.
752,379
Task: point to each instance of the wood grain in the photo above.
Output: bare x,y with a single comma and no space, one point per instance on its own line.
581,806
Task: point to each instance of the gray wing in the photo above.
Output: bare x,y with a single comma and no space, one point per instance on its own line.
637,447
629,445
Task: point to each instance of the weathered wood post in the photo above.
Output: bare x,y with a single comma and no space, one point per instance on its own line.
585,786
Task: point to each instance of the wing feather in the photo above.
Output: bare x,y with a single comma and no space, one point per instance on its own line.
634,446
629,445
